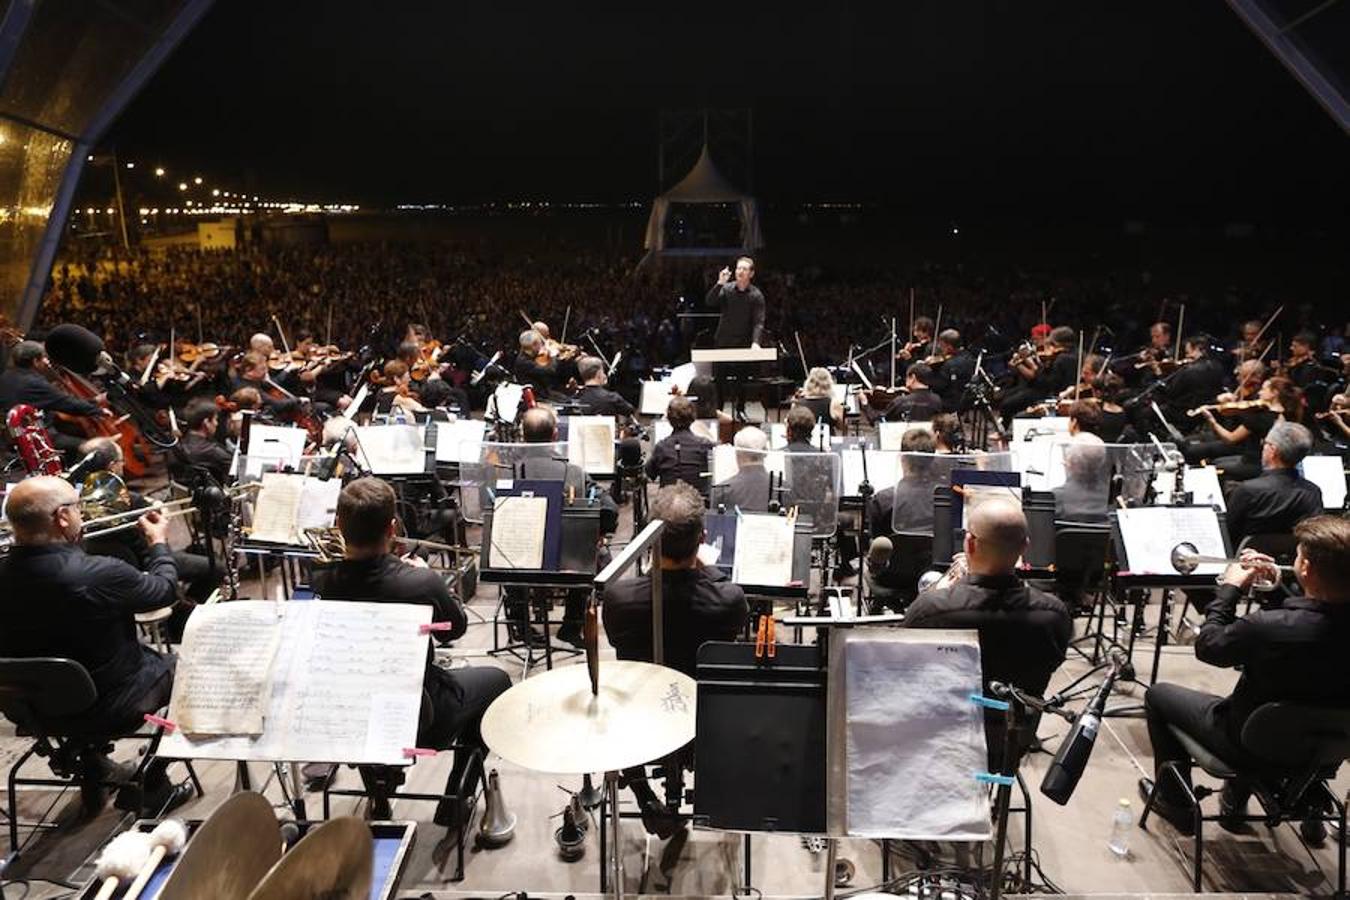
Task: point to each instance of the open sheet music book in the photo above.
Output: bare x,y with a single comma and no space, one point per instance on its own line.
287,505
1150,532
224,675
590,444
346,687
519,524
763,550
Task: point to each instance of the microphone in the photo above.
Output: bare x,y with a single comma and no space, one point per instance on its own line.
1067,768
478,376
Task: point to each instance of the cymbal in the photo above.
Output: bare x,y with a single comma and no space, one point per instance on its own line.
229,853
335,861
553,723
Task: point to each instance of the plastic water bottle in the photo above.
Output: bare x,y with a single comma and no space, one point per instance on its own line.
1121,823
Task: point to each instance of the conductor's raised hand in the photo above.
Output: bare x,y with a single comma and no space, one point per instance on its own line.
724,276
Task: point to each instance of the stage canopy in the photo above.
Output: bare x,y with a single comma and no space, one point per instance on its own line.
704,188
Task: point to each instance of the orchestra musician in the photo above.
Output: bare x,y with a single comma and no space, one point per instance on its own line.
920,402
58,601
595,397
748,489
1158,351
26,381
699,604
1237,450
817,395
1044,373
1279,498
920,340
1302,366
955,366
200,445
454,699
1251,345
1024,632
1293,653
534,365
682,455
254,373
1083,496
1198,381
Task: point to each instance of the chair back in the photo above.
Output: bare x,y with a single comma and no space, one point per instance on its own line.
1080,555
1295,736
42,688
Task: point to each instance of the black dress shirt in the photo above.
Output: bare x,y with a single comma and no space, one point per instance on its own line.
31,387
1024,632
601,401
1272,503
388,579
955,374
698,605
916,406
1195,384
57,600
528,371
208,454
680,456
742,322
1294,653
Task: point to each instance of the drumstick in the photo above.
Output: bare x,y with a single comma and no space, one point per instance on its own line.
120,861
168,838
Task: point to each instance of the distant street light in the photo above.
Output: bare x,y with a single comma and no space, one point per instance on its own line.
159,172
182,186
197,180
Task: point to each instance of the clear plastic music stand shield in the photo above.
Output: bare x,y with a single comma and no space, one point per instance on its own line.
497,461
812,484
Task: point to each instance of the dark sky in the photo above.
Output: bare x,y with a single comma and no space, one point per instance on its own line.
1150,108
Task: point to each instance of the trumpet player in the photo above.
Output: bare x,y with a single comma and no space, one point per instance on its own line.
1293,653
56,600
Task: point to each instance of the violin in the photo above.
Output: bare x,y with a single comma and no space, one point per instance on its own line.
1230,407
198,354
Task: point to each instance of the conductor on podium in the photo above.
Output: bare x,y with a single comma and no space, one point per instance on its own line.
741,305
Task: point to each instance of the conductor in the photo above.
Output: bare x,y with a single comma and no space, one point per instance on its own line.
741,305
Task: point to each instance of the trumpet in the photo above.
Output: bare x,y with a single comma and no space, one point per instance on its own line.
1186,559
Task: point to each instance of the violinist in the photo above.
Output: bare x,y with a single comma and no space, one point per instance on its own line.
955,366
1336,420
26,381
1197,382
1302,366
595,397
817,395
1237,450
154,392
1151,359
254,373
201,448
1247,382
315,371
564,355
920,339
397,391
534,365
1046,372
1251,345
920,403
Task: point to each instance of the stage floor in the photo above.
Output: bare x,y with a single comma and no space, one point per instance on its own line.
1069,842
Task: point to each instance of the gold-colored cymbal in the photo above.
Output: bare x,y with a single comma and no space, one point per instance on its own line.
229,854
335,861
552,722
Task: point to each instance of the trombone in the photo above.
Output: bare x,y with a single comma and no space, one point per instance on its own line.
103,491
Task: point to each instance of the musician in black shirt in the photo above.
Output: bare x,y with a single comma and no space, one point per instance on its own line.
199,447
921,403
741,305
594,396
956,369
682,455
454,700
25,381
1024,632
58,601
1280,498
529,369
1294,653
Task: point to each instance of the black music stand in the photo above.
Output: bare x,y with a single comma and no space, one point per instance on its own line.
760,758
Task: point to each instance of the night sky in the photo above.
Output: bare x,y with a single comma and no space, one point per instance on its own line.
1158,110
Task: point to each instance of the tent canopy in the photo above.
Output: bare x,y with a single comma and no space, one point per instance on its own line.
704,185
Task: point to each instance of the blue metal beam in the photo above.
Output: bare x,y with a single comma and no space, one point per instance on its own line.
1294,59
12,29
112,107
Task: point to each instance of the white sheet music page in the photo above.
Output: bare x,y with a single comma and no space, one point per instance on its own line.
890,434
223,680
655,397
392,449
883,469
590,444
763,550
1150,533
518,525
1201,481
276,508
1328,473
346,688
460,441
270,446
318,504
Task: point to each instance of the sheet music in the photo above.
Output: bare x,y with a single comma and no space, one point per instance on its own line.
359,398
392,449
276,508
655,397
1201,481
346,687
506,400
223,679
1150,532
590,444
270,447
763,550
1328,473
460,441
318,505
682,375
518,525
891,433
883,469
910,740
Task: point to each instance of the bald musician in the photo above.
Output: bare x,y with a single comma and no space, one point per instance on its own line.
56,600
1024,632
